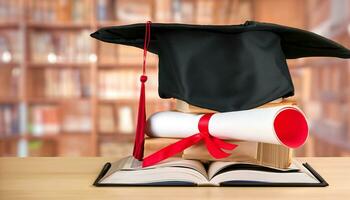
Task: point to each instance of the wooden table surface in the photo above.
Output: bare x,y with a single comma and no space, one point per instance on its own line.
72,178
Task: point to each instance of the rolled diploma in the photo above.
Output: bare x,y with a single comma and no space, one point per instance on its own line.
285,125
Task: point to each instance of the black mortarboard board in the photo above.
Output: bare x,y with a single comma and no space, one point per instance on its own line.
224,67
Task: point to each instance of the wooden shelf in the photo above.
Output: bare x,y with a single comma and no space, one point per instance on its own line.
45,136
125,101
112,134
9,100
9,24
56,100
59,65
79,133
101,24
13,136
10,64
59,25
116,137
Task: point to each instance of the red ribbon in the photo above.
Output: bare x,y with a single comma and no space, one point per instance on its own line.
214,145
141,115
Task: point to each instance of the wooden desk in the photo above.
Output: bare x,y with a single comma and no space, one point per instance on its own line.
71,178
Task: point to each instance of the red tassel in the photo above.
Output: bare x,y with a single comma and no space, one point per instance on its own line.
141,115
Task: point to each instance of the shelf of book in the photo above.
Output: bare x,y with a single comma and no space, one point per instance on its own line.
136,66
51,65
59,65
9,25
9,100
58,25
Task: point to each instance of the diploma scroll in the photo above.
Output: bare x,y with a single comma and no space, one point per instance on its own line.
285,125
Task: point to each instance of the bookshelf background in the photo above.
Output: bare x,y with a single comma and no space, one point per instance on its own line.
64,94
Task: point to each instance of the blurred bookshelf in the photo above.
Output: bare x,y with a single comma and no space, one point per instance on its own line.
63,93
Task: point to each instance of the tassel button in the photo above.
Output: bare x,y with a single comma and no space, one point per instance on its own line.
143,78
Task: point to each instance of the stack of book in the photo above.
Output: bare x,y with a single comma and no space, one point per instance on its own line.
273,155
250,163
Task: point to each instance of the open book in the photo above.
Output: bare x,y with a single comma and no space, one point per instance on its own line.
179,172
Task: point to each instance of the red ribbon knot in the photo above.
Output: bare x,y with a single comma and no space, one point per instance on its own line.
214,145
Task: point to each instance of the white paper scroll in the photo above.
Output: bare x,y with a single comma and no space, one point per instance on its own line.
284,125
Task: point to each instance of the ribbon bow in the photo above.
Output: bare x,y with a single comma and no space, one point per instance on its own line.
214,145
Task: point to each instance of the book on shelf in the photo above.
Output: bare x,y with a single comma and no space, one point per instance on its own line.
133,11
10,11
44,119
116,119
61,47
175,11
129,56
106,10
163,10
59,83
64,11
205,11
222,12
74,145
9,120
106,119
120,118
109,148
9,78
123,84
76,117
108,54
326,106
53,119
239,11
10,47
182,11
180,172
125,120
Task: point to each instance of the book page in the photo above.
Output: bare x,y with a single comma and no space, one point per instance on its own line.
128,171
216,167
297,173
179,162
131,164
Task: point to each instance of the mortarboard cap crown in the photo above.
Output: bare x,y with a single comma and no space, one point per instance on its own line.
224,67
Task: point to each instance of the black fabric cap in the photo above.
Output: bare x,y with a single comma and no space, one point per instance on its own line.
224,67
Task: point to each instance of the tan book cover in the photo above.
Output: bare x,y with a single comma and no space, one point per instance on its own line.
183,106
252,152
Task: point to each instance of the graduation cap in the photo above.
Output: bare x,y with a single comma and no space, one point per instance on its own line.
223,67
